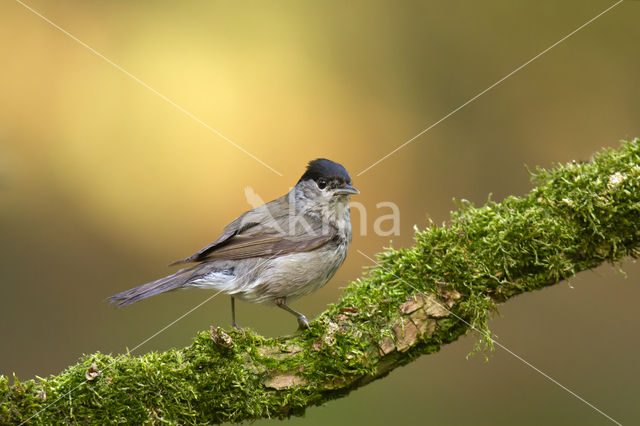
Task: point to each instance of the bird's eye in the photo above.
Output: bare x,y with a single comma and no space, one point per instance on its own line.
322,183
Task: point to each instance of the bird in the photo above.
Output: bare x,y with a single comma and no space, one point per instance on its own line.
274,253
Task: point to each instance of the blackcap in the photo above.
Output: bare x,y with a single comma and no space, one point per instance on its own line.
275,253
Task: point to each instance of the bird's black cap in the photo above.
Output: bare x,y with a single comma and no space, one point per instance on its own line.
327,169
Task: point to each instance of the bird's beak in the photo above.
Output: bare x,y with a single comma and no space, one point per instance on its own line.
346,190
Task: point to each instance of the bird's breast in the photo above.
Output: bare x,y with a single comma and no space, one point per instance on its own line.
294,275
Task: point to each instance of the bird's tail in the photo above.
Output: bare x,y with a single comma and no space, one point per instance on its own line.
168,283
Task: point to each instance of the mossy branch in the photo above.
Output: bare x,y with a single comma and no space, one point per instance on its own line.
420,298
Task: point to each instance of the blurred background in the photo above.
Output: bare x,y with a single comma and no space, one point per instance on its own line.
103,183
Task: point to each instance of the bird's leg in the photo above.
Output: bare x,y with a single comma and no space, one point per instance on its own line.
233,315
302,320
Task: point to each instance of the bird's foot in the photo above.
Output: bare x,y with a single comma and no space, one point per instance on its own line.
237,327
303,323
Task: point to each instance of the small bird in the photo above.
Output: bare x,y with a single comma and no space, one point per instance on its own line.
274,253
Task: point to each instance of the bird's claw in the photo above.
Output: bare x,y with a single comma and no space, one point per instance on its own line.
237,327
303,323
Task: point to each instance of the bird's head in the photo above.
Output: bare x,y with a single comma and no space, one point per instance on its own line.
327,180
324,189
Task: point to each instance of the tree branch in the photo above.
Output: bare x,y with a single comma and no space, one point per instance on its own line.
418,299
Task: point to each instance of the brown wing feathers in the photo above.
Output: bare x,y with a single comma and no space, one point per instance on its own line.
243,247
260,235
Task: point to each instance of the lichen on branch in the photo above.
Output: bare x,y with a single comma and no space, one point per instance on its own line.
579,216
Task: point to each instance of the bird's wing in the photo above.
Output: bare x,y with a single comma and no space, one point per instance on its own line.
247,246
202,252
262,232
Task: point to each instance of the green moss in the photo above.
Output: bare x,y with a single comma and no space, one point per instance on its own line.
579,216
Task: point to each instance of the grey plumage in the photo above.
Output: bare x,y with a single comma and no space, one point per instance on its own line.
274,253
170,282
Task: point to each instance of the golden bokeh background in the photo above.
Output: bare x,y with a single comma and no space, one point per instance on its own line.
103,183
